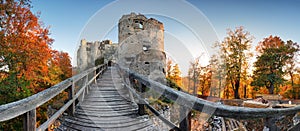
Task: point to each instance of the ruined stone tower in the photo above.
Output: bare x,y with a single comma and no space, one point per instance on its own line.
141,45
140,48
89,52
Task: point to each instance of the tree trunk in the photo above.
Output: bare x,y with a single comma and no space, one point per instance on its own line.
292,79
245,91
271,88
236,89
195,87
189,85
220,84
203,88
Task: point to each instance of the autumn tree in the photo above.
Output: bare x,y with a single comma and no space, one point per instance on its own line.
273,55
194,73
169,67
25,56
200,75
205,76
24,51
234,50
60,67
174,73
218,74
291,64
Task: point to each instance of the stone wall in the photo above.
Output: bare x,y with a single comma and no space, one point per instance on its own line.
89,52
140,48
141,45
109,53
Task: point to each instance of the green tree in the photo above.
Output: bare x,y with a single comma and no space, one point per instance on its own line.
234,51
273,55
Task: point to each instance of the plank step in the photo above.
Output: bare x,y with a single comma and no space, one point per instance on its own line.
105,108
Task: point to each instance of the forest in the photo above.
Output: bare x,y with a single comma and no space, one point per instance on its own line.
29,64
232,73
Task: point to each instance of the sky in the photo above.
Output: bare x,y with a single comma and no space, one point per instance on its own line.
191,27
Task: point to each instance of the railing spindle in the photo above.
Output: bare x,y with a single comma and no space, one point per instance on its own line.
141,106
185,123
71,93
95,73
26,107
29,122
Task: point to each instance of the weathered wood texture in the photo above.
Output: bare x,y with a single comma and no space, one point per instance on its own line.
30,120
28,105
195,103
107,106
141,100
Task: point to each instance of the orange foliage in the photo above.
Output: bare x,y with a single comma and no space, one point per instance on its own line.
27,62
263,90
25,46
269,42
63,61
227,93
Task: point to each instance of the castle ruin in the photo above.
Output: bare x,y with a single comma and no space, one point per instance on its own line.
140,47
90,52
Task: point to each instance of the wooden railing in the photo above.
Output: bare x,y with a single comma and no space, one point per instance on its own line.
188,102
28,106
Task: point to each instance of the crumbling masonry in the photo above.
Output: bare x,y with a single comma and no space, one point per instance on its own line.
140,47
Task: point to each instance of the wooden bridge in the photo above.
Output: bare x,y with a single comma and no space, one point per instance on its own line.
107,101
105,108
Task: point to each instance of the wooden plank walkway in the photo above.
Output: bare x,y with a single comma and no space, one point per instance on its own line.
105,108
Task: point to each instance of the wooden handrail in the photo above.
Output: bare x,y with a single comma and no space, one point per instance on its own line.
152,109
29,104
142,101
198,104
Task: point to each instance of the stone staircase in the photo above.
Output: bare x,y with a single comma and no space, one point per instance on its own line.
106,108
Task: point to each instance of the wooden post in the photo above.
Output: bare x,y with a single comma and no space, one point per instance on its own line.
185,115
131,98
271,124
141,105
95,73
29,121
85,86
71,93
